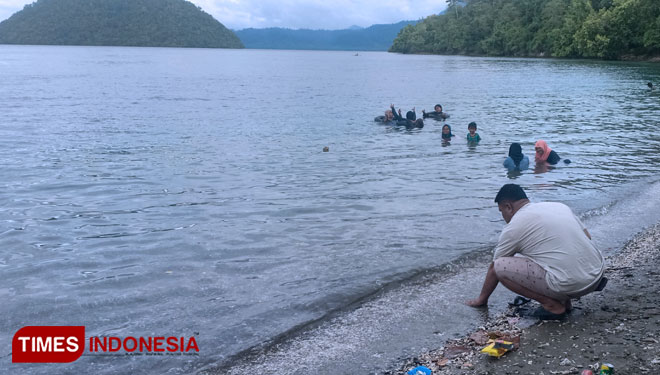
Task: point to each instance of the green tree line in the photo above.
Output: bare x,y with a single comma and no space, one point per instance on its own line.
605,29
373,38
162,23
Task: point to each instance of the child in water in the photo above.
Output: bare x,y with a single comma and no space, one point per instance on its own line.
446,133
473,136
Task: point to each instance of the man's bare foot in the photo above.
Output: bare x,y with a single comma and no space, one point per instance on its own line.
476,302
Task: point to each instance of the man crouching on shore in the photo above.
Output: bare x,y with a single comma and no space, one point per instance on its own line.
544,253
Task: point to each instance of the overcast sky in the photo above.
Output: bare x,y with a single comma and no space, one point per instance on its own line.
309,14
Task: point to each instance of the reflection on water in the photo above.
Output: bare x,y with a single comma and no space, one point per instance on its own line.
149,190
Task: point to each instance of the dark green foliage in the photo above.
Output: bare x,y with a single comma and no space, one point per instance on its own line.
157,23
373,38
607,29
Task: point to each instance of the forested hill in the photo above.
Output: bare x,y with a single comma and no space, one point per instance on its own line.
373,38
156,23
605,29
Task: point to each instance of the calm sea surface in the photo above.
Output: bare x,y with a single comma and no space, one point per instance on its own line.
180,192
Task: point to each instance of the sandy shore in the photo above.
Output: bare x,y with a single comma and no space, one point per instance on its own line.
620,325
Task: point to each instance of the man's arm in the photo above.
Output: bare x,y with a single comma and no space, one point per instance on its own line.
487,289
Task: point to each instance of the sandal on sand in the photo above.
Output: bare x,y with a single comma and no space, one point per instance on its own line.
601,284
543,314
519,301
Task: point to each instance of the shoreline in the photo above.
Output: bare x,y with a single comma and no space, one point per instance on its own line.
623,58
620,325
404,323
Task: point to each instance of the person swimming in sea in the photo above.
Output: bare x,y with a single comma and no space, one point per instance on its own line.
472,136
436,114
650,85
387,118
410,121
544,154
516,161
446,133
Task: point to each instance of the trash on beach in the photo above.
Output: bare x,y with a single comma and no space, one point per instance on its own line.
587,372
606,369
498,348
420,370
566,362
506,336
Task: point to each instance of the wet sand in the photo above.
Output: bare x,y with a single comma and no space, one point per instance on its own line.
620,325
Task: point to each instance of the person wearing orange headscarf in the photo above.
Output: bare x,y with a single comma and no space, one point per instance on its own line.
544,153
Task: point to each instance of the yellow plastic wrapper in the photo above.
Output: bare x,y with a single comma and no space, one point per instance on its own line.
497,348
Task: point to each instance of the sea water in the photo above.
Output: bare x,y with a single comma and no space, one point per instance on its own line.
185,192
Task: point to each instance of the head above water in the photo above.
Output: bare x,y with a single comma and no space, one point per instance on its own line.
472,127
510,199
446,129
542,150
389,115
515,153
438,108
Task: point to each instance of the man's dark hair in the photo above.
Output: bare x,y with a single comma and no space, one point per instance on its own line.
510,192
410,115
472,125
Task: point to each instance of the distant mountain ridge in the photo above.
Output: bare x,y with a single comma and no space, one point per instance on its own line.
372,38
152,23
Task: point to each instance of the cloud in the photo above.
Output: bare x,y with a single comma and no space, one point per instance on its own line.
309,14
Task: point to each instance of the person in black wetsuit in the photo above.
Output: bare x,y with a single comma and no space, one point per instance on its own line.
410,121
436,114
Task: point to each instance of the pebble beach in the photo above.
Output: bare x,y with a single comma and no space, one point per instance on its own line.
619,326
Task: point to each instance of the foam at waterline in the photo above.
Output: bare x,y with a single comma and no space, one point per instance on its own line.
635,206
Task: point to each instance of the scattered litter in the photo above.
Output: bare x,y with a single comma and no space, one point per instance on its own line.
420,370
498,348
606,369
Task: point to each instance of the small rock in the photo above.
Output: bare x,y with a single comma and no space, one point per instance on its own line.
443,362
